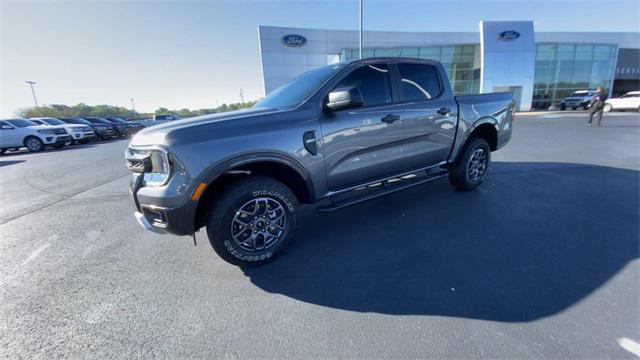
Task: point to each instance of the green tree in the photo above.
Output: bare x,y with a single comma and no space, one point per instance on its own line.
61,110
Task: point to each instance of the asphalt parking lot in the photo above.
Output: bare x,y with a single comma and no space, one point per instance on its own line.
540,262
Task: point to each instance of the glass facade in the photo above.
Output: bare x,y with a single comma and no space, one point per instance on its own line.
462,62
564,68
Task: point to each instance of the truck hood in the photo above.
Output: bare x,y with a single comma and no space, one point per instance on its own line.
157,134
73,126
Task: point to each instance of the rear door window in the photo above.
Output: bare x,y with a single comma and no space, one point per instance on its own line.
419,82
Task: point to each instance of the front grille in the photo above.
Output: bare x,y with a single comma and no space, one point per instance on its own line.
59,131
135,165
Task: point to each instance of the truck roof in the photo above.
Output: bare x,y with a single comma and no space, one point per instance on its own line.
393,59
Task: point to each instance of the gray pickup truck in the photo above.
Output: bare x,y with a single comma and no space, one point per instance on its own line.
335,136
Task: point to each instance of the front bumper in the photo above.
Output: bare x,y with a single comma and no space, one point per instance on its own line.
162,209
576,104
86,135
144,222
83,135
56,139
108,133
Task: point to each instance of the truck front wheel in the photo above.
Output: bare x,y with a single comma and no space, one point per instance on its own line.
33,143
253,220
472,167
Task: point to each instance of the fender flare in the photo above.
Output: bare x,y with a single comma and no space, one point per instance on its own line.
215,171
456,151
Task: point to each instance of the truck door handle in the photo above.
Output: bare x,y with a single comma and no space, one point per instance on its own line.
444,110
309,142
390,118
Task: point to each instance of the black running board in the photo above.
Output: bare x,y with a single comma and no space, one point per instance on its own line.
377,190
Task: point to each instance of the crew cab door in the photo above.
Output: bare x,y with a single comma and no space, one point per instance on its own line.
428,112
363,143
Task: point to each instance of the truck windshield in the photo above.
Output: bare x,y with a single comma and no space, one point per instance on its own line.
98,121
78,121
298,89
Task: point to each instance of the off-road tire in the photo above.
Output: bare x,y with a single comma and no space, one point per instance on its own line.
459,172
227,206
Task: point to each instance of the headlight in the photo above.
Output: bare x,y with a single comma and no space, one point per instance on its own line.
155,163
47,131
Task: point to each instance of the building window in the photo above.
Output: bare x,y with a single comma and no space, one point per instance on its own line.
562,69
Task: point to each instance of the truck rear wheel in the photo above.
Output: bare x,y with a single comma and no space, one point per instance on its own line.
252,221
473,165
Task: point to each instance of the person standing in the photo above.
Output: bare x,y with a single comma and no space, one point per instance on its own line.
597,105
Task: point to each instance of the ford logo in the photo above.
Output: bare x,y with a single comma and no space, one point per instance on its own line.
293,40
508,35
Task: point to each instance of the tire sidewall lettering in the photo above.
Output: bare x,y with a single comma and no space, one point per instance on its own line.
276,195
248,258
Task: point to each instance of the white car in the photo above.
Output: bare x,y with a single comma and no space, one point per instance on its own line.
628,101
17,133
79,133
578,99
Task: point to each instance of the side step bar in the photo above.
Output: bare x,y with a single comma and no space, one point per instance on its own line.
379,189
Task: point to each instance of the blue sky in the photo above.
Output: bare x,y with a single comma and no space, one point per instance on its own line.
199,54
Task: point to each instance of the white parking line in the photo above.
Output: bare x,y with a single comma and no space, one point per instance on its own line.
36,253
630,345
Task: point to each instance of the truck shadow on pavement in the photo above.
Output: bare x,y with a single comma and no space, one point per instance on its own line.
535,239
10,162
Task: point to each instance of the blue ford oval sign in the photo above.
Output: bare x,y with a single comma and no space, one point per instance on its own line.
293,40
508,35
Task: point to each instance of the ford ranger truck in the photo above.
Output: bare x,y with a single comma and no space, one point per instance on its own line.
333,137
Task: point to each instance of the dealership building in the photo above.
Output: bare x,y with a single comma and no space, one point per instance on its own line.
539,68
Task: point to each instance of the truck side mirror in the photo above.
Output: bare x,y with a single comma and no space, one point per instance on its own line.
344,98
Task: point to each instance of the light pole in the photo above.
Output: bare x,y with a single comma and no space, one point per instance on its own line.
241,97
33,92
360,33
133,105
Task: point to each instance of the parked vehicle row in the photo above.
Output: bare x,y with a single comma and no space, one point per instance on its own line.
583,98
37,133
